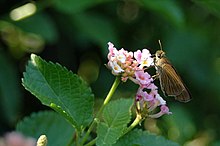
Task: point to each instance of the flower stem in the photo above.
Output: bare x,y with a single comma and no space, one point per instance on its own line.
91,142
137,120
107,99
109,96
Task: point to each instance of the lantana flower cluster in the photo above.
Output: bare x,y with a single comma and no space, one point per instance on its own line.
133,65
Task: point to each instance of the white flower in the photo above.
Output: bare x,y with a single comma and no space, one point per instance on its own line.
160,99
116,69
143,58
120,56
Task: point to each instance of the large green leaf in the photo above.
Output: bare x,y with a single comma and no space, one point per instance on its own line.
10,95
58,131
143,138
116,116
60,89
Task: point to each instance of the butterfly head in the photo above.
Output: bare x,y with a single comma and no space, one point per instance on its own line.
160,54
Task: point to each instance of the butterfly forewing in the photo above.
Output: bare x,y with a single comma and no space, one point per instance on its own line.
170,81
184,96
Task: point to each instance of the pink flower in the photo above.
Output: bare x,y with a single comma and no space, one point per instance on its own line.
143,77
112,50
137,56
143,95
151,100
17,139
151,86
163,110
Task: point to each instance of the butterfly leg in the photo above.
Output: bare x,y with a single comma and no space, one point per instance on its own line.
156,76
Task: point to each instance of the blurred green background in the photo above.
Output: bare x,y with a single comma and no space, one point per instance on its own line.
75,33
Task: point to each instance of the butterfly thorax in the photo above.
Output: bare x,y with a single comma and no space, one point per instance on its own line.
161,59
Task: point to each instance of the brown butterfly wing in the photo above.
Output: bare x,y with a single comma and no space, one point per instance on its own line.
171,83
184,96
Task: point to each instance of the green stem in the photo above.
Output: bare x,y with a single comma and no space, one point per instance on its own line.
91,142
74,139
137,120
107,99
109,96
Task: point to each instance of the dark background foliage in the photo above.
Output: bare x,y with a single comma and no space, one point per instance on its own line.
75,33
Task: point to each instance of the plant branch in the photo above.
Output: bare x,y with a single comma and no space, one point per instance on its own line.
107,99
137,120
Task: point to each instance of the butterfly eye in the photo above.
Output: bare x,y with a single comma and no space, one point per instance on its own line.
160,55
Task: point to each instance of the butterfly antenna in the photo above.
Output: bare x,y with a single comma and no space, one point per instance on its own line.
160,45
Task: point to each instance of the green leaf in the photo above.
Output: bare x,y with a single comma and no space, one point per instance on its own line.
143,138
58,131
10,95
60,89
168,9
116,116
